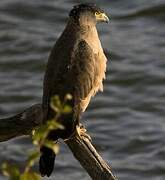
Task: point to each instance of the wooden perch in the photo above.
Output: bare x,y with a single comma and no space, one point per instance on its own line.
90,160
20,124
23,123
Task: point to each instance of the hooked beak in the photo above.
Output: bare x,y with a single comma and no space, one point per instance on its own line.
102,17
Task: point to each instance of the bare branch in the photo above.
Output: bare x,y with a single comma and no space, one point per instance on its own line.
90,160
23,123
20,124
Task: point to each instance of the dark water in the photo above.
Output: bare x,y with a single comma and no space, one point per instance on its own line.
127,120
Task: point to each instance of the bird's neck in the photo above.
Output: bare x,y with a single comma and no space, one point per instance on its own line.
90,35
85,28
84,31
87,20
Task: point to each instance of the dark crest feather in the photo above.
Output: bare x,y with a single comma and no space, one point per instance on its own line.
77,9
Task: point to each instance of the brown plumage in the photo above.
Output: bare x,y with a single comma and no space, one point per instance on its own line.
76,65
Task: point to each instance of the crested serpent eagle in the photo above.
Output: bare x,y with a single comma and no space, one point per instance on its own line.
77,66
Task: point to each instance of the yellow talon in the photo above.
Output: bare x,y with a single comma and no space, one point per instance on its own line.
81,132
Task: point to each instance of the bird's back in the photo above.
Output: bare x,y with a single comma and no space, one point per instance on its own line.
58,80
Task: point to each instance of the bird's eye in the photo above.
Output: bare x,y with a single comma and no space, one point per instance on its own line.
96,13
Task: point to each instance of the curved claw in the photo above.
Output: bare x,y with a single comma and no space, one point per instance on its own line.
81,132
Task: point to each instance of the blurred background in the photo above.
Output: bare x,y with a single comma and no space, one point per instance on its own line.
126,121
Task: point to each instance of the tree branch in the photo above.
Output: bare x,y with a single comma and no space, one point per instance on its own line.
23,123
90,160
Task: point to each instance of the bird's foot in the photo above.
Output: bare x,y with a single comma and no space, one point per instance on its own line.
81,132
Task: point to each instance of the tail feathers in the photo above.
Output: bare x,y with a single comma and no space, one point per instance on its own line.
46,162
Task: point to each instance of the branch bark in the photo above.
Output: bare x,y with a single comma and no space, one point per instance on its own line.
82,149
21,124
90,160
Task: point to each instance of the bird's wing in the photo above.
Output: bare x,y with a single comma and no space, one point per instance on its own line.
85,71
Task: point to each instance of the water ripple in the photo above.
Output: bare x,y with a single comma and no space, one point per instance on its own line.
156,11
126,121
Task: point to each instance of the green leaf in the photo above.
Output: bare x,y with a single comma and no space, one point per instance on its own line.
52,145
68,97
56,104
67,109
52,125
10,171
32,158
40,134
30,176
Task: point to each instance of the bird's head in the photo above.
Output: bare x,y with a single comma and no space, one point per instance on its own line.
87,13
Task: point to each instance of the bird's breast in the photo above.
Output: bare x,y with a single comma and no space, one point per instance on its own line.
100,65
93,40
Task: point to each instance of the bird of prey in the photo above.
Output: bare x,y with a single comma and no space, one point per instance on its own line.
77,66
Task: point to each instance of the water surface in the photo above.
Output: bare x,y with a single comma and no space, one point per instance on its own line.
126,121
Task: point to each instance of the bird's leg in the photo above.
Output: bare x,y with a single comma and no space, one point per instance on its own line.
81,132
